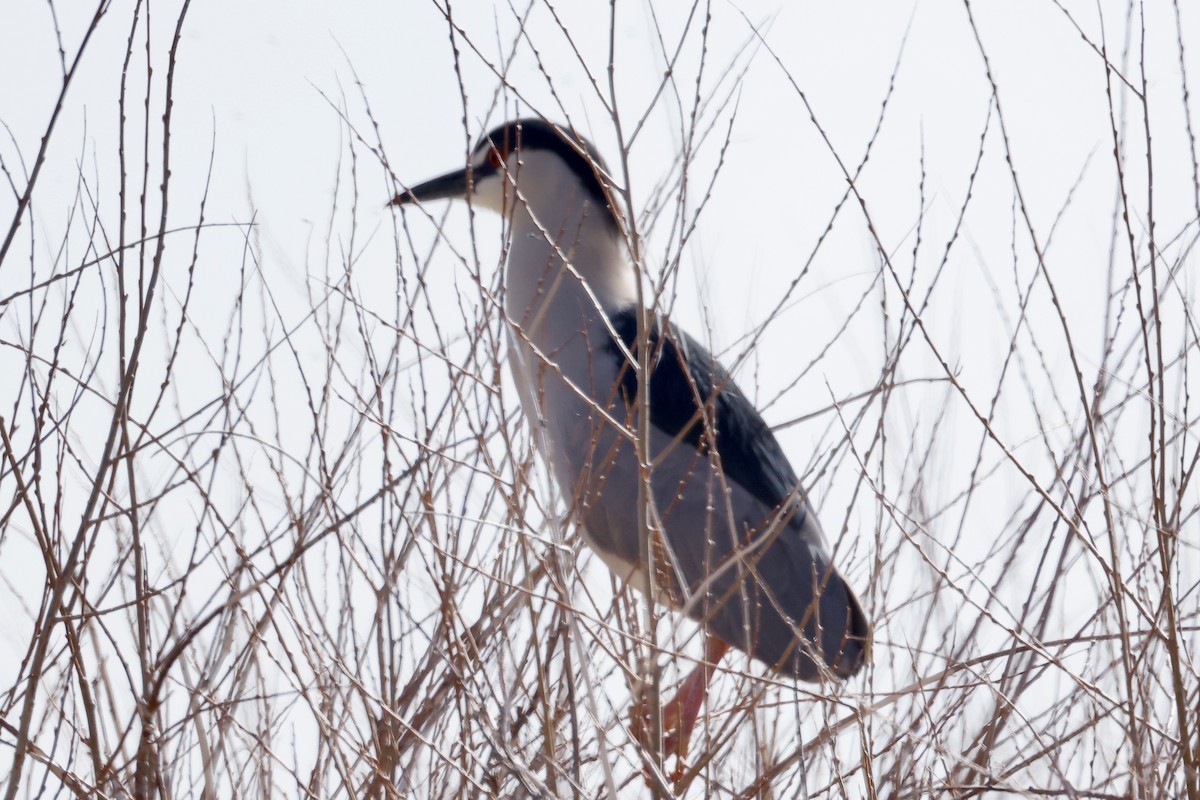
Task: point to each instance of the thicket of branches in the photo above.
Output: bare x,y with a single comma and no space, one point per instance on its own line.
271,538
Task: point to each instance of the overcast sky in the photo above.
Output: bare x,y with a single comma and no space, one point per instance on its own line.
262,85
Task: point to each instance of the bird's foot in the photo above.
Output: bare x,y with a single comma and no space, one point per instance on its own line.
674,741
678,717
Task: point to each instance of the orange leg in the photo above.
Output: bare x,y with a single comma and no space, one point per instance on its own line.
679,714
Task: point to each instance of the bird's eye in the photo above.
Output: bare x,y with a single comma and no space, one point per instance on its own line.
495,157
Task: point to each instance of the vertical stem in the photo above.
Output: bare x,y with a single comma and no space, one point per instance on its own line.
647,526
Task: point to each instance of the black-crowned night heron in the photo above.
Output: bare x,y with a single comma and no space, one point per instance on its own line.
737,547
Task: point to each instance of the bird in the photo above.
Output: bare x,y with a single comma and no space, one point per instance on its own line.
736,545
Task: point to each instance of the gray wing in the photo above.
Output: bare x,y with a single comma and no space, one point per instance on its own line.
775,595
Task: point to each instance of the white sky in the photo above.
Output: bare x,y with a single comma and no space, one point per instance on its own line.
256,74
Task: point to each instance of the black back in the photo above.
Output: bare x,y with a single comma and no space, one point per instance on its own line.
684,372
766,606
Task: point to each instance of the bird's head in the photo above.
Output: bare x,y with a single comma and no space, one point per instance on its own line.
526,165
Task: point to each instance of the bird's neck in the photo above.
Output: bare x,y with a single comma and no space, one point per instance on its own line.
566,265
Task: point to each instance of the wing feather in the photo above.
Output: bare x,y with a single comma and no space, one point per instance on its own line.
777,598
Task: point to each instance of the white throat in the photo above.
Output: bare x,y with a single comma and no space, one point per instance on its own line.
567,262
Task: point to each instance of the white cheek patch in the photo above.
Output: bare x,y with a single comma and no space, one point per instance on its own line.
489,190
